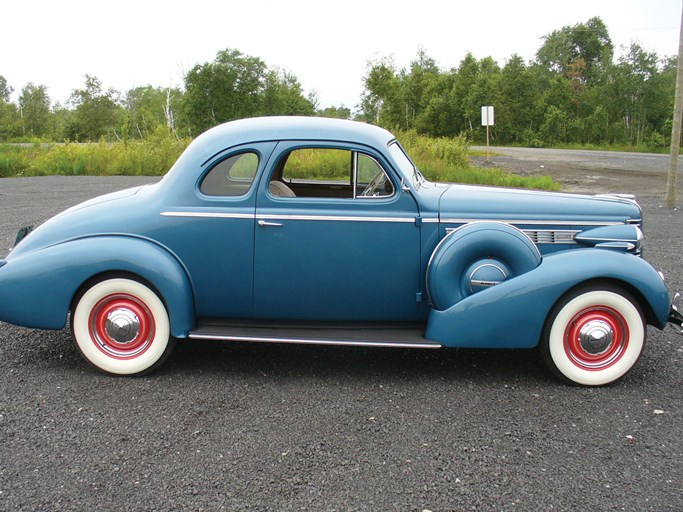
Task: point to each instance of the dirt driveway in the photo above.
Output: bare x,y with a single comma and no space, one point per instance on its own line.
589,171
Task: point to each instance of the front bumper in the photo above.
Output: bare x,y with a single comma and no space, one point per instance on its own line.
675,314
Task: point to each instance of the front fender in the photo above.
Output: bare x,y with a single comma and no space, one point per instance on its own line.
512,314
37,288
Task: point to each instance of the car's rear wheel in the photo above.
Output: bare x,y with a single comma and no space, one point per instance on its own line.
594,335
121,327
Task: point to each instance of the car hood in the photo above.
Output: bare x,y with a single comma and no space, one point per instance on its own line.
461,203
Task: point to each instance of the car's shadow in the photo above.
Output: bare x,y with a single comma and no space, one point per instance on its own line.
55,349
340,363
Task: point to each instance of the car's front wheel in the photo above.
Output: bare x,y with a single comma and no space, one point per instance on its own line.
594,335
121,327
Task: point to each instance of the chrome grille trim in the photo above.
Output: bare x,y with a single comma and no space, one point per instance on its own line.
545,236
552,236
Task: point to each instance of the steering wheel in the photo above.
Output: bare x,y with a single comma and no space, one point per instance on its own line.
376,183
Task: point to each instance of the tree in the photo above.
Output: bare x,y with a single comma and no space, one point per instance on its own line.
5,90
380,96
149,107
520,94
35,109
236,86
630,85
96,113
588,42
341,112
283,95
417,87
10,121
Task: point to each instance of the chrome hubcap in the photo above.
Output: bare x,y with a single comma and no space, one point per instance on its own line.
596,336
122,325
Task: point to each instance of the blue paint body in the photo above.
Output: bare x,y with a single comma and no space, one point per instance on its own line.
330,259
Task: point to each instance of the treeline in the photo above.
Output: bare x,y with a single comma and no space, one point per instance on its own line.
233,86
574,92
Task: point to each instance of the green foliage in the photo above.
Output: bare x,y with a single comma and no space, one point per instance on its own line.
341,112
575,91
5,90
12,160
572,93
327,164
35,108
440,159
95,113
236,86
153,156
447,160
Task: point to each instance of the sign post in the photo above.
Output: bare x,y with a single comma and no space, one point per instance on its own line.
487,120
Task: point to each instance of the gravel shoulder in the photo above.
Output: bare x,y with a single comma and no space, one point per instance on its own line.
252,427
588,172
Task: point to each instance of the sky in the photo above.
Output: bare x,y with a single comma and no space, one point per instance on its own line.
327,45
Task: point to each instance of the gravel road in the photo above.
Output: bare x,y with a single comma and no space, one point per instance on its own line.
588,171
255,427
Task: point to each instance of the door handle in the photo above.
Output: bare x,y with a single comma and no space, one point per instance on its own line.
264,224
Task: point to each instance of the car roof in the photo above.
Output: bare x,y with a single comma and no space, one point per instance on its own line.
277,128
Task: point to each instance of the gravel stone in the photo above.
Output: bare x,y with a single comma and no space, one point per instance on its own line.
255,427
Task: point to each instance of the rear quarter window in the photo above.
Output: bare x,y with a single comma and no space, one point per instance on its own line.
232,176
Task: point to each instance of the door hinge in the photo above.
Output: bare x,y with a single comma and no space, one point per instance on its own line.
418,221
418,297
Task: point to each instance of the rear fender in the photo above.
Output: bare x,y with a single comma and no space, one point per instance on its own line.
37,288
512,314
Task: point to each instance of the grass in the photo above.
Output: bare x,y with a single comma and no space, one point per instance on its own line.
441,159
149,157
447,160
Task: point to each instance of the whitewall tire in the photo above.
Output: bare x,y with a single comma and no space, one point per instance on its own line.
121,327
593,336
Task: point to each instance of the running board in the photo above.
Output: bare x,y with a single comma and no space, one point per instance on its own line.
361,336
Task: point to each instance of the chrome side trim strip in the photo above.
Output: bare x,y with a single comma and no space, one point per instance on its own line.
343,218
301,341
535,222
349,218
251,216
210,215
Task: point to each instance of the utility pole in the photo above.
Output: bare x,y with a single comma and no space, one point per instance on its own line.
676,128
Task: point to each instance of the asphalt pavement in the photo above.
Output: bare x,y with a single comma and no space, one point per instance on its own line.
258,427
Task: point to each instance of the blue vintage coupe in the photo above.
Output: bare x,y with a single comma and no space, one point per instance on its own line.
309,230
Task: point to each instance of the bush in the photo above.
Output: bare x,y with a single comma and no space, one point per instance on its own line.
447,160
439,159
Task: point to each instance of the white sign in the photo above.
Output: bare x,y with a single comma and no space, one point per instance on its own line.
487,116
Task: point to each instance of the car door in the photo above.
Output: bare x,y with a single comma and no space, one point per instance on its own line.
336,238
211,230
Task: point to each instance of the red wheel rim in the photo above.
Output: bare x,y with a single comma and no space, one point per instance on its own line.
596,338
121,326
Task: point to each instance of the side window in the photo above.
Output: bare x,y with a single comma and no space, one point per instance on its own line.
232,176
318,164
372,181
330,173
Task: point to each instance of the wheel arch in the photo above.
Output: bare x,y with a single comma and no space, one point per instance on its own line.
648,311
113,274
150,264
64,268
524,303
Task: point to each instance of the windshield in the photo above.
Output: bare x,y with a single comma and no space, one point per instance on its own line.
406,165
